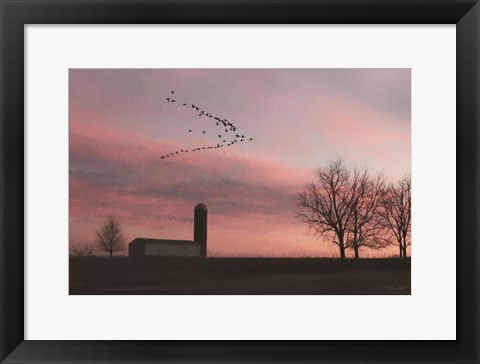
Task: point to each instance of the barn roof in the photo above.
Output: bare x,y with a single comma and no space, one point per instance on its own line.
161,241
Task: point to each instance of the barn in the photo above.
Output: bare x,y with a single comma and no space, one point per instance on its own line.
141,247
163,247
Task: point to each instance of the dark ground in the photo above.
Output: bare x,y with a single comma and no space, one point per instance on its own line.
150,275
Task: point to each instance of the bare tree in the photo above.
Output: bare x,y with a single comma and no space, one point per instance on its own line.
110,236
326,204
396,212
366,229
83,250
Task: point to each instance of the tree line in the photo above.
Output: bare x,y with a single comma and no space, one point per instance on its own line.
354,209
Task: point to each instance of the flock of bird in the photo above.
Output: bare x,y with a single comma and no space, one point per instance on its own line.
228,135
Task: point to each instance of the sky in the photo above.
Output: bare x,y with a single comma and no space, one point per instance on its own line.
121,124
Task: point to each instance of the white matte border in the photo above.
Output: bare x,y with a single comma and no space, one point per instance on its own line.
429,313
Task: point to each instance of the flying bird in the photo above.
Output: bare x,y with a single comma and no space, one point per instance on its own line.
228,126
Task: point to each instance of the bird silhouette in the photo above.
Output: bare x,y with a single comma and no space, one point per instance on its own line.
227,126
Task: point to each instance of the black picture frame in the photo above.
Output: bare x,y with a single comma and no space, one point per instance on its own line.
15,14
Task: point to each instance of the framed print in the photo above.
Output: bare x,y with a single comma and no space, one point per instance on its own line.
239,181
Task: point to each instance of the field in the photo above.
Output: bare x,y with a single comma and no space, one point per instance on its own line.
324,276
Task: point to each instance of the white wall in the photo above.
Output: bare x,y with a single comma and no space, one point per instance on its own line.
172,249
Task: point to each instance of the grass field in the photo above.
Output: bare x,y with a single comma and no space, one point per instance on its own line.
150,275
